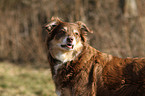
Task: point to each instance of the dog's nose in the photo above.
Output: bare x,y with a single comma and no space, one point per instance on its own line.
69,39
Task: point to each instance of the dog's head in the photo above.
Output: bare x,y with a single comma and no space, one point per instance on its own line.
64,36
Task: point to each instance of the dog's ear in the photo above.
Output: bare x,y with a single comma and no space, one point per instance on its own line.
83,27
55,21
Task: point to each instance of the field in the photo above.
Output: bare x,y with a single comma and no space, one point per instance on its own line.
20,80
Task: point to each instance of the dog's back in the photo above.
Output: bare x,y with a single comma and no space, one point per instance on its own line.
80,70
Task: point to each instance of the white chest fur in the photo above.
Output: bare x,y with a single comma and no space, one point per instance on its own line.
64,56
56,67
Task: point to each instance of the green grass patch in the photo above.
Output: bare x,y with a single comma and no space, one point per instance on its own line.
25,81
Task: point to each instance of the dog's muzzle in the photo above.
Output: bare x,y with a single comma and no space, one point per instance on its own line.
69,43
68,46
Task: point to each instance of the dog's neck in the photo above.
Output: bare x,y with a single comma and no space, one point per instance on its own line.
61,57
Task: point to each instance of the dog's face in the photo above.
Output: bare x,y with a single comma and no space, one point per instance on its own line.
66,37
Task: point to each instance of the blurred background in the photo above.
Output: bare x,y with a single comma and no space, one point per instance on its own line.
118,25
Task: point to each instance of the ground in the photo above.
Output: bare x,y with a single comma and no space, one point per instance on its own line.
16,80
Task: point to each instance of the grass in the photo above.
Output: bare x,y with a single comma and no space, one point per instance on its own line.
25,81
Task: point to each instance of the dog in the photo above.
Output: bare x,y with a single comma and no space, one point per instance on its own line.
80,70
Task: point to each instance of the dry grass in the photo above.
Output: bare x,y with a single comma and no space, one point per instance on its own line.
25,81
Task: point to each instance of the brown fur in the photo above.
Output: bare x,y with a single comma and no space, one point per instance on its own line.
93,73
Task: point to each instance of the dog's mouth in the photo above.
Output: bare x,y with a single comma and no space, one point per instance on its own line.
69,46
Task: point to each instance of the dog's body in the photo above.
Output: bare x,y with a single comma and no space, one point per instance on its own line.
80,70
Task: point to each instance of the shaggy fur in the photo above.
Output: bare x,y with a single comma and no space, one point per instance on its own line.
85,71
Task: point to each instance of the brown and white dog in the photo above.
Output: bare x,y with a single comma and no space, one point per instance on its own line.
80,70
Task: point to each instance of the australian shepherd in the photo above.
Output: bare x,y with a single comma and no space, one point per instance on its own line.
80,70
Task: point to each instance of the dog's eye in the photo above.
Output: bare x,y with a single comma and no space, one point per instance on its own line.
62,31
77,33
